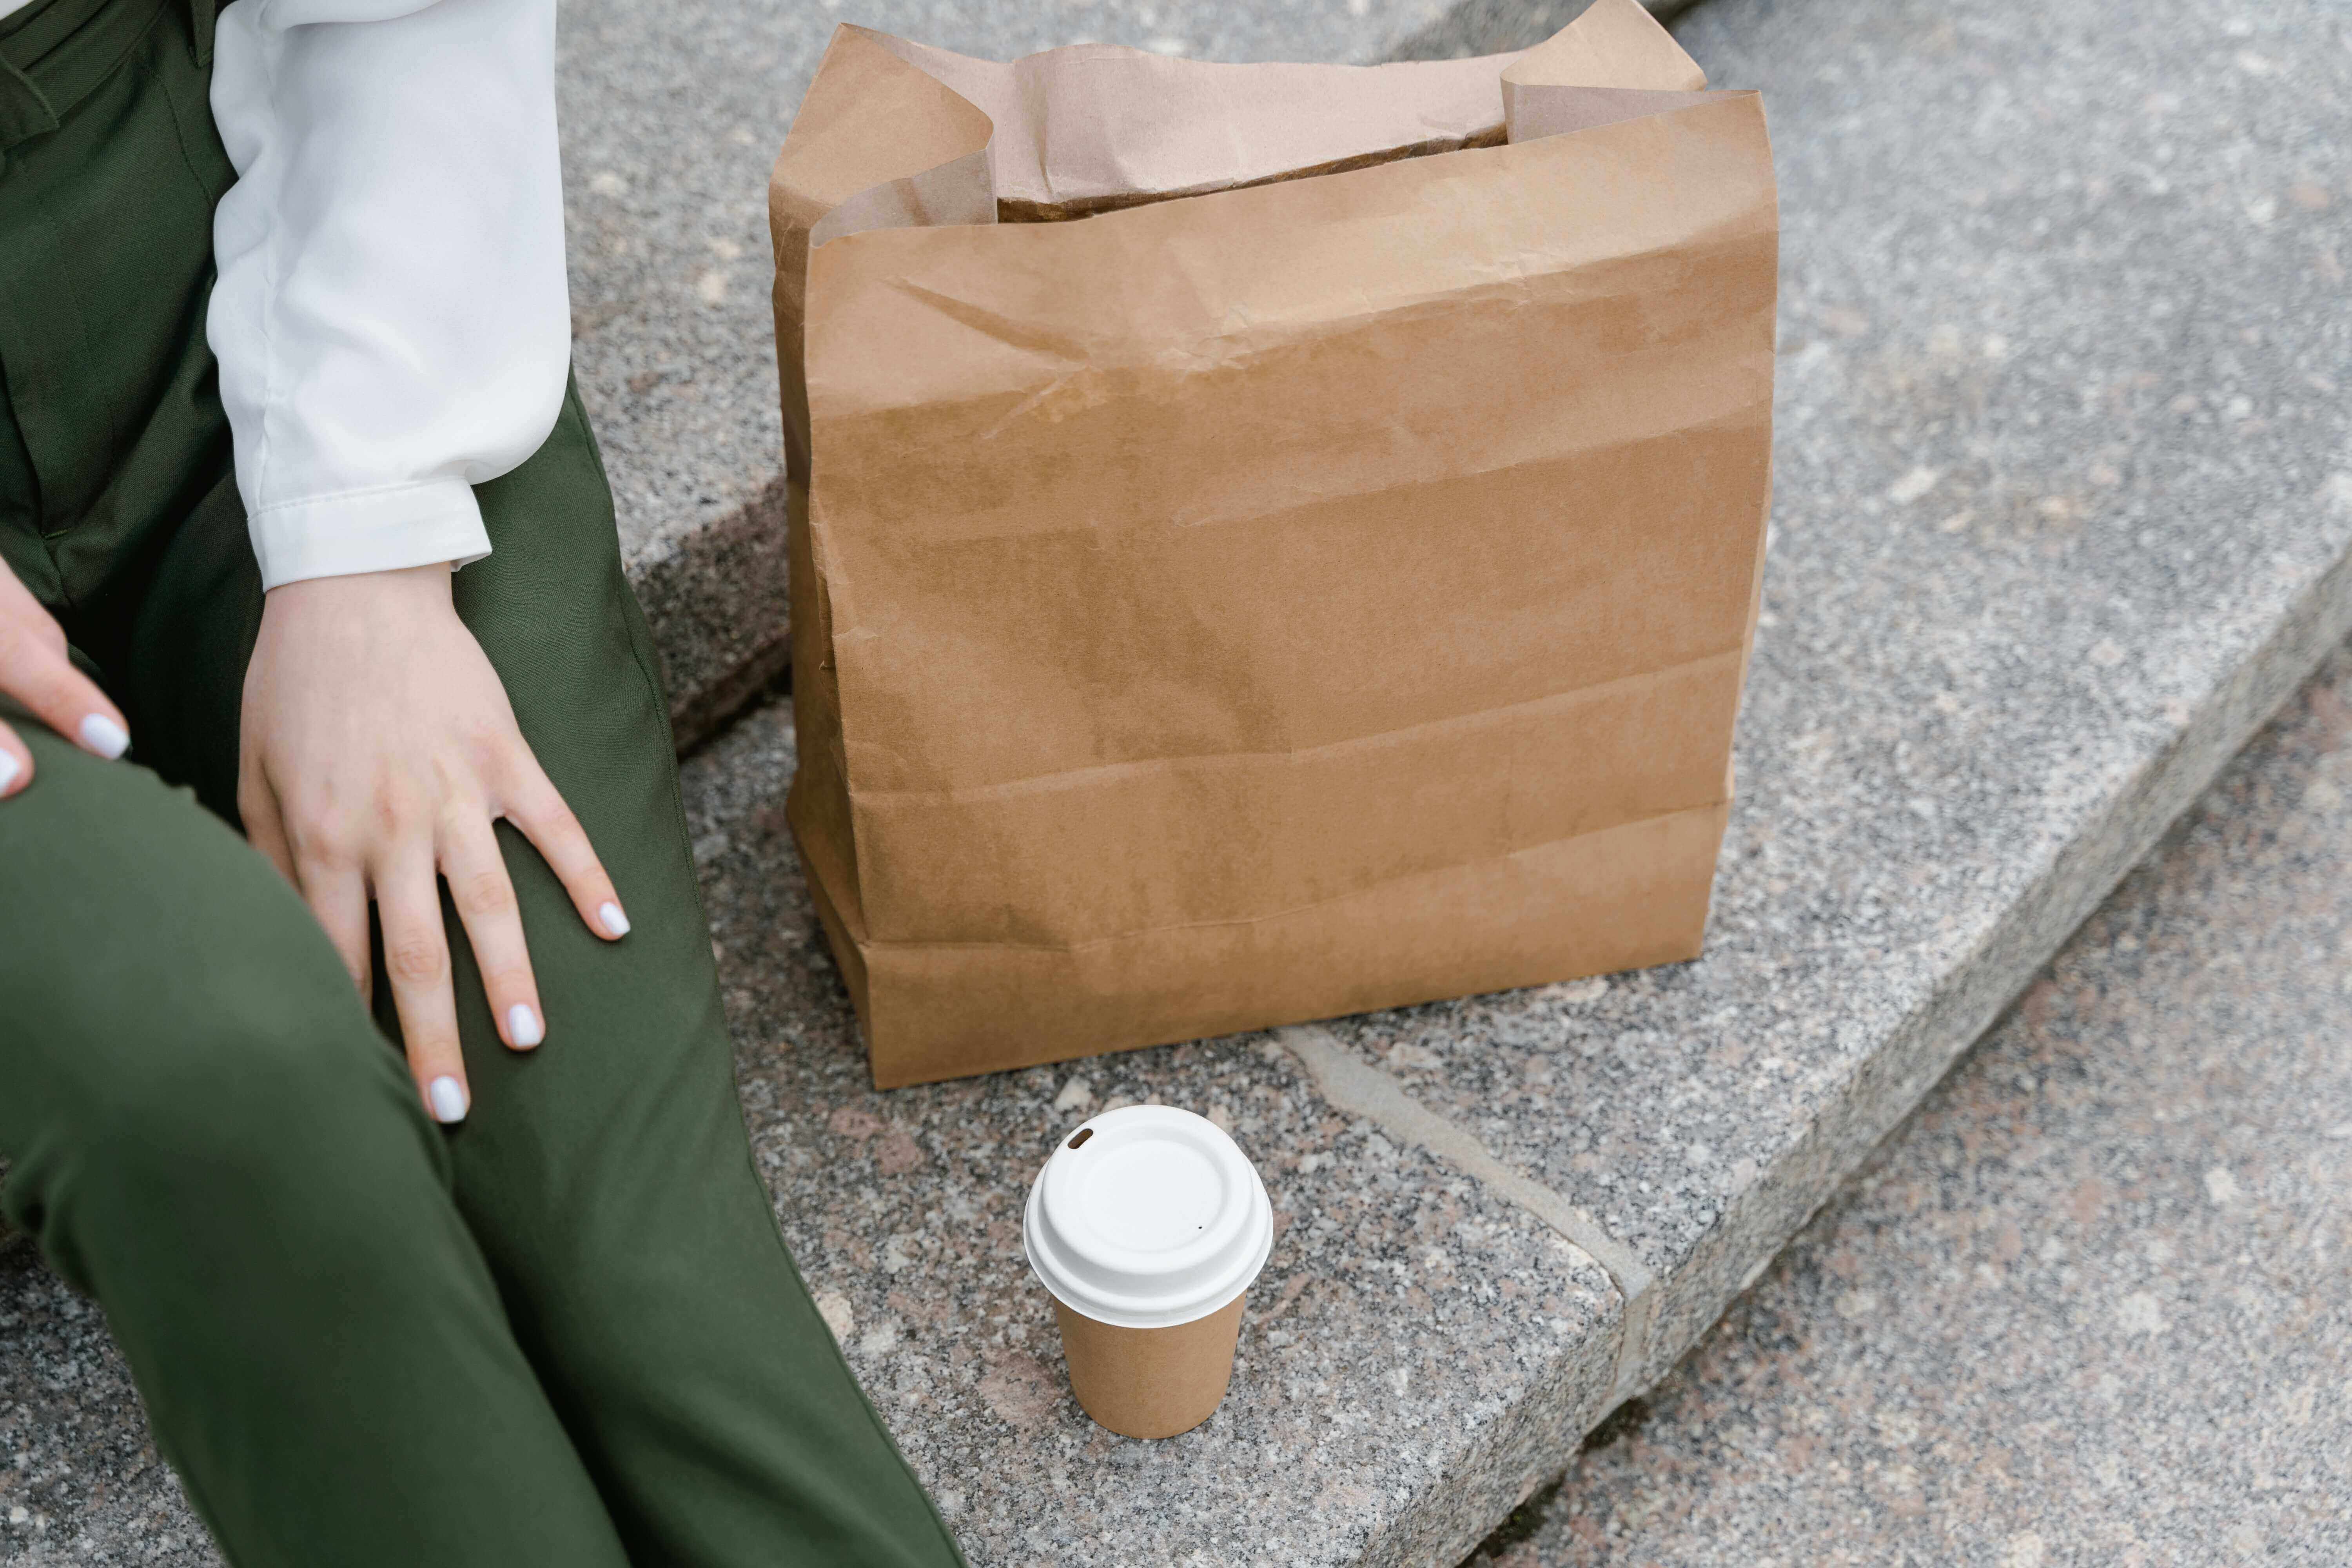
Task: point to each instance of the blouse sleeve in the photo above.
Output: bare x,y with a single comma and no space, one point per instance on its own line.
391,316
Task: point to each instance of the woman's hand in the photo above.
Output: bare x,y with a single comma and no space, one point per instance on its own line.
378,749
34,671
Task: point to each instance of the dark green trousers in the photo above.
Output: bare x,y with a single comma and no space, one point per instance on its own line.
565,1333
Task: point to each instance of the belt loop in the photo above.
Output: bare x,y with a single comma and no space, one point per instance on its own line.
25,109
203,11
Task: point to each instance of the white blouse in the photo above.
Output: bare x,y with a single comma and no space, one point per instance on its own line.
391,320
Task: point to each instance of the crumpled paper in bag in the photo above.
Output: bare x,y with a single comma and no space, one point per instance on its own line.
1328,593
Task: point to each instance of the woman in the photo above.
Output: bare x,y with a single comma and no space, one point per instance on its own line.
526,1302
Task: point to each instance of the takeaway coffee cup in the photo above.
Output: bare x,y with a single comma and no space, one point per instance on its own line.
1146,1227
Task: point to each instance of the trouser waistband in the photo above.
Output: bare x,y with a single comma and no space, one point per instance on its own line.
56,53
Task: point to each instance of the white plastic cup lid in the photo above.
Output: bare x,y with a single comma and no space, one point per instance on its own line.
1148,1216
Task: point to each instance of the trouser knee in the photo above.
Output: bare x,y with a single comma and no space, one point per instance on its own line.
261,1128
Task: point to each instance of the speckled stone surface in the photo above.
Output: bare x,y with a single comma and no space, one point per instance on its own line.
1491,26
2064,505
2093,1304
79,1479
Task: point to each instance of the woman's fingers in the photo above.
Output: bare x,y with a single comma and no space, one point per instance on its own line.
338,895
264,822
549,823
416,961
328,877
24,627
34,671
486,903
15,763
387,737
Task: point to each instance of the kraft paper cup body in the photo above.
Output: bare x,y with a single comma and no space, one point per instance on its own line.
1147,1227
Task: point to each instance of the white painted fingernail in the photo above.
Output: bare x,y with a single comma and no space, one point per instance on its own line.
523,1027
9,768
448,1098
104,736
614,920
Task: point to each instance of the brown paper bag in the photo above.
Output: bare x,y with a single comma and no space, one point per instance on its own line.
1327,590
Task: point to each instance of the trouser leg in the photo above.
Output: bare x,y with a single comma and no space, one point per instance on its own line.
205,1132
607,1174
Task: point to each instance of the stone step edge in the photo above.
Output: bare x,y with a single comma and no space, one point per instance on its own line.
715,599
1666,1316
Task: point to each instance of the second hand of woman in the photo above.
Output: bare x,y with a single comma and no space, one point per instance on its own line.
378,749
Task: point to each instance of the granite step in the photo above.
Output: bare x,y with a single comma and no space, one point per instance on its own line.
671,115
2088,1304
2064,508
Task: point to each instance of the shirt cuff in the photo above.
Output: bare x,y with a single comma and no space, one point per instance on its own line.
368,530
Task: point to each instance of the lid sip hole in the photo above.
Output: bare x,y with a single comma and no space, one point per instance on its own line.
1084,1134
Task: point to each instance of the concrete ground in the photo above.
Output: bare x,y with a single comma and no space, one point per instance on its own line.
2094,1302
